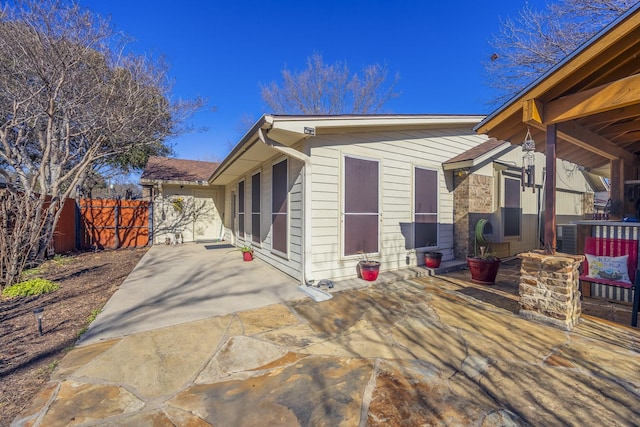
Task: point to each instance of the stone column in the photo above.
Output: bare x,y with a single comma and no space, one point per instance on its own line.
549,288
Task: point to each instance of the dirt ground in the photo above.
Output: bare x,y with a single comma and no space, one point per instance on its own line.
87,280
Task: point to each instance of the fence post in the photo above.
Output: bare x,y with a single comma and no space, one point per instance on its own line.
116,237
77,227
150,217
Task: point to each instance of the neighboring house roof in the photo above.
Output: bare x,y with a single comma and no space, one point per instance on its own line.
282,132
477,155
165,169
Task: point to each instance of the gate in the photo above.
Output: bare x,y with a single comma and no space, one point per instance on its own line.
109,223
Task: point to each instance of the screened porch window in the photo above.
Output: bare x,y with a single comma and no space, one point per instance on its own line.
255,207
279,207
361,210
425,221
512,207
241,209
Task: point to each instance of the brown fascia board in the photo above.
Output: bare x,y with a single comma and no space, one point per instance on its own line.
476,155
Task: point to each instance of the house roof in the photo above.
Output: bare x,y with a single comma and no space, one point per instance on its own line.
476,155
278,134
591,97
165,169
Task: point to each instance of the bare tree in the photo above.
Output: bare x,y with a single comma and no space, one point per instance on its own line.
330,89
534,41
71,101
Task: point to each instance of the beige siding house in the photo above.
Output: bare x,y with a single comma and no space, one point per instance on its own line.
312,193
185,207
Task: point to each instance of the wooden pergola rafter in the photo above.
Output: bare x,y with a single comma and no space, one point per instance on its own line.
585,110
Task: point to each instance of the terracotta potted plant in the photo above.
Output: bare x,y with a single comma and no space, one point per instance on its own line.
247,252
483,265
368,269
432,259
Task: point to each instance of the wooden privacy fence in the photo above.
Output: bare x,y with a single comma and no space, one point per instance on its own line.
109,223
65,237
102,223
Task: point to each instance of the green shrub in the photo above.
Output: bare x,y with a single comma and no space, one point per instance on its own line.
30,287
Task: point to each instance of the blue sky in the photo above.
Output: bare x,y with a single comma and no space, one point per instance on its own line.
223,51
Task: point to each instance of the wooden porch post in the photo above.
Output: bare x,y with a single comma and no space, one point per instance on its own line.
616,193
550,192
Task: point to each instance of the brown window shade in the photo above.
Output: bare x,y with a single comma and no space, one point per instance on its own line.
279,190
361,234
425,223
512,193
255,208
512,211
279,197
241,209
361,186
361,219
426,189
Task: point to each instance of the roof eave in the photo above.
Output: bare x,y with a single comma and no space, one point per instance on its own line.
541,84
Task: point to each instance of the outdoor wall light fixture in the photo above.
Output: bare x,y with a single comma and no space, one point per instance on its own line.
528,162
39,314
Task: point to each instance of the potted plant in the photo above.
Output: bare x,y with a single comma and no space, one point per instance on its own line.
483,265
247,252
368,269
432,259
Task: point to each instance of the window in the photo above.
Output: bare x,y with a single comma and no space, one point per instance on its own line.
279,207
425,220
512,208
255,207
241,209
360,206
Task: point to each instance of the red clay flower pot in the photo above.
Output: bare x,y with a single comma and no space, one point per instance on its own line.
432,259
483,271
247,256
369,270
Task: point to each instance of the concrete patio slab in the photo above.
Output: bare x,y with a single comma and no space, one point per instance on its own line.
184,283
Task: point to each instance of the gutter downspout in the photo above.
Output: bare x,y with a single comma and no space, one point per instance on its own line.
306,201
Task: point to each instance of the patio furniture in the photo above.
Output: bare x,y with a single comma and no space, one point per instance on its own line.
608,267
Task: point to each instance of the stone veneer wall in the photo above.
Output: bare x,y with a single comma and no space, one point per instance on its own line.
549,288
588,200
472,200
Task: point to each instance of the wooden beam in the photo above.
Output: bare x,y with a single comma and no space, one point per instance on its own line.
607,117
584,138
618,94
550,192
532,111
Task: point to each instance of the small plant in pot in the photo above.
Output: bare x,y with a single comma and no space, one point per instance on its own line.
368,269
247,252
484,266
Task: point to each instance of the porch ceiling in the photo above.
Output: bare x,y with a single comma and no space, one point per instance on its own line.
251,158
593,98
